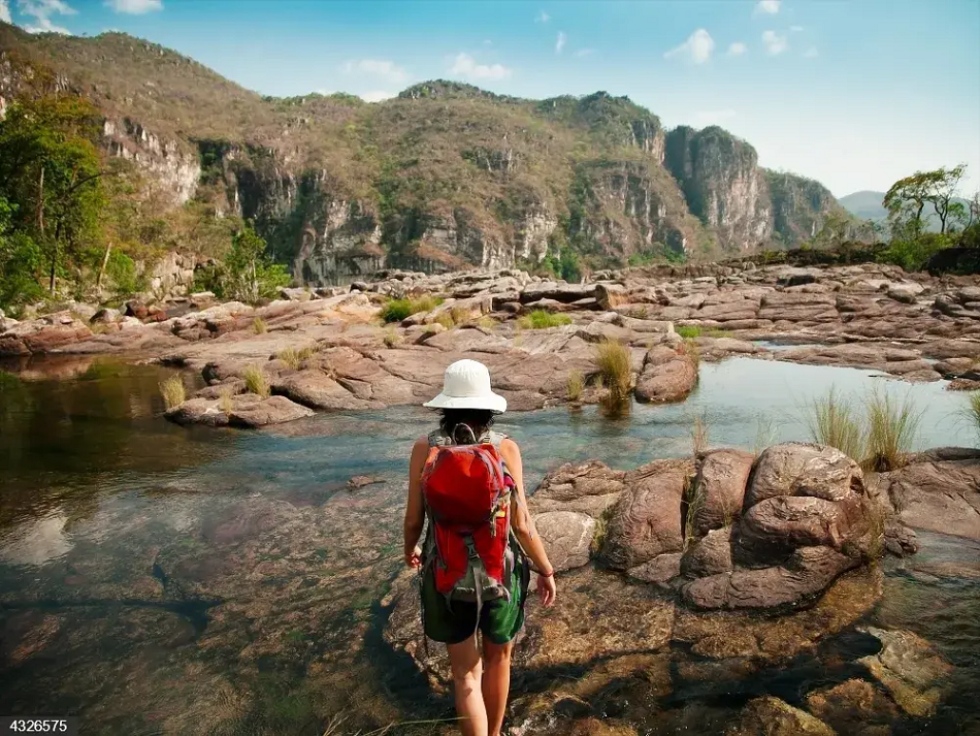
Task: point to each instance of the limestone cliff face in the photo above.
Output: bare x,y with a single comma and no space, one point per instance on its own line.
723,184
799,205
444,176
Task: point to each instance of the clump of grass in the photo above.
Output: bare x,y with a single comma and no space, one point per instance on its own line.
540,319
576,385
308,352
391,338
691,503
691,350
224,401
688,332
259,326
446,320
487,322
893,428
460,315
615,368
972,411
699,436
256,381
832,422
290,357
765,434
395,310
173,392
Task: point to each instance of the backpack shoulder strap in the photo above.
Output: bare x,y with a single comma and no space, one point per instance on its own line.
495,438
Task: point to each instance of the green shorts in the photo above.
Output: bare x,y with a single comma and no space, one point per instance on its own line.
500,619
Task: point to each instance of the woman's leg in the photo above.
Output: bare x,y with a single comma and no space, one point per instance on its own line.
496,683
464,659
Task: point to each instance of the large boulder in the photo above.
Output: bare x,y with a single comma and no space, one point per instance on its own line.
711,555
567,537
646,521
938,491
798,468
668,375
784,523
589,488
43,335
315,389
721,480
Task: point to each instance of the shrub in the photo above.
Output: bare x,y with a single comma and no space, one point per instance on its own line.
893,428
256,381
615,368
539,319
259,326
913,254
576,385
395,310
832,422
173,392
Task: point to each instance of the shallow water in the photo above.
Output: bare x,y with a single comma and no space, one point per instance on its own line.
228,582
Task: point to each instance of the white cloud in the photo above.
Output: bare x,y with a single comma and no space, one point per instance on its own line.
775,44
769,7
811,53
737,49
560,43
376,96
382,68
41,11
135,7
5,12
543,17
796,29
581,53
712,117
697,48
465,66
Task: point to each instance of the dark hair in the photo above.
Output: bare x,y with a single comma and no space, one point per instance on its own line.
479,420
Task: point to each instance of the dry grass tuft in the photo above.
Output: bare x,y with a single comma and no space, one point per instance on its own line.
256,381
832,422
259,326
576,385
224,401
893,428
173,392
615,368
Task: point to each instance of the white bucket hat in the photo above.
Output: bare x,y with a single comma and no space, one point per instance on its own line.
466,385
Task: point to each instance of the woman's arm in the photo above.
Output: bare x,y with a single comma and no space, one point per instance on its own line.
523,524
414,509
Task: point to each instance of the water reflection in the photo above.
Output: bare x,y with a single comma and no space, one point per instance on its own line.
221,561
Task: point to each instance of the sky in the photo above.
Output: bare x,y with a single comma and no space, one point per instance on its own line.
853,93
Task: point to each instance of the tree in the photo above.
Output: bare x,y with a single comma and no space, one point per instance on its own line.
908,197
248,274
51,168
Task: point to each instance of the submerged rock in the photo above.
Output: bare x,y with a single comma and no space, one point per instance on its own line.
910,669
853,707
769,716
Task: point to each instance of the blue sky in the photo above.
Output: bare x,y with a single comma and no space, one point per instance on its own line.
855,93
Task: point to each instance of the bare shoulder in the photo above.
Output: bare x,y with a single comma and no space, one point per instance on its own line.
509,448
421,447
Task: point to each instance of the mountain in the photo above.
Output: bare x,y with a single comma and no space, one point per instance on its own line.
442,176
867,205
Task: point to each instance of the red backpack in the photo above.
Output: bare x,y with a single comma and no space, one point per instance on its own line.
467,499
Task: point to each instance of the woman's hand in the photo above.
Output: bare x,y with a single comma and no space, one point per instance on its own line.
413,557
547,590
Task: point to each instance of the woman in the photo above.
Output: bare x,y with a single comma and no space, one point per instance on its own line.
481,684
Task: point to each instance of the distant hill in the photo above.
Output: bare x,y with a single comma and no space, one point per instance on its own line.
443,176
867,205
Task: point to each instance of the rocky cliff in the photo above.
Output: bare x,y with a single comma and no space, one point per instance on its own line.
443,176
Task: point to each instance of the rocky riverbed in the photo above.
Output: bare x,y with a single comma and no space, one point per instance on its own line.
330,351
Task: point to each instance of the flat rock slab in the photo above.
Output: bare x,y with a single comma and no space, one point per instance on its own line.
567,537
246,410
